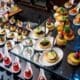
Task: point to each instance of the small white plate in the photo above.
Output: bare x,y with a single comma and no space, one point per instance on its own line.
66,6
26,42
12,43
31,35
17,49
26,53
76,23
73,14
59,53
37,47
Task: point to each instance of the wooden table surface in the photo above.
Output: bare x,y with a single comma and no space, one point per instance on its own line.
15,12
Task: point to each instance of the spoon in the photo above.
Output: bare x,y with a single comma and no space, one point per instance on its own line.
42,75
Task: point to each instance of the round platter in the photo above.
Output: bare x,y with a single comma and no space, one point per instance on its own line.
31,35
45,63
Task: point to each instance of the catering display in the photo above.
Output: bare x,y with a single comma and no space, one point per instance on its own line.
35,45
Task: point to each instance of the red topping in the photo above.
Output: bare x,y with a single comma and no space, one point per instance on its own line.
28,74
7,60
61,34
16,66
77,55
49,21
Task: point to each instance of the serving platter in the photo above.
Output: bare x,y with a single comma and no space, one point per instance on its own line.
31,35
60,54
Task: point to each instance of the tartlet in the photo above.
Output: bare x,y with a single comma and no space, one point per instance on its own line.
68,33
38,32
12,28
50,56
45,43
62,11
73,59
2,32
19,23
60,41
49,24
12,20
68,5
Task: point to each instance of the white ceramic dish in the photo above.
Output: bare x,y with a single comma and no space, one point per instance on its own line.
31,35
45,63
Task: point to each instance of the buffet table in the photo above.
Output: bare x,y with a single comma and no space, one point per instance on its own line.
61,70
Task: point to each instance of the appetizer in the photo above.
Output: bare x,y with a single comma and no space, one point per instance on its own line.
49,24
12,28
7,61
6,26
68,4
68,33
61,18
9,44
74,58
73,11
12,20
27,42
18,38
28,74
45,43
60,41
16,67
61,11
2,32
25,32
19,23
2,40
19,30
38,32
60,25
50,56
11,35
76,20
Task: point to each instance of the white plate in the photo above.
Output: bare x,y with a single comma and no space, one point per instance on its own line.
75,23
72,13
37,47
66,6
26,53
17,49
31,35
16,71
26,42
8,35
59,53
12,43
